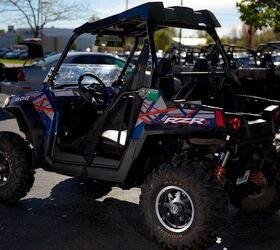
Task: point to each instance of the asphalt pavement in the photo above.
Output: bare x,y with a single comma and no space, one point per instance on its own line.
2,99
61,213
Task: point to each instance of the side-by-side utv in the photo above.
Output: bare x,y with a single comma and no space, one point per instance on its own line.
186,152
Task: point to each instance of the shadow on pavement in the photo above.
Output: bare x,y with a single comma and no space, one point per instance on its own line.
71,219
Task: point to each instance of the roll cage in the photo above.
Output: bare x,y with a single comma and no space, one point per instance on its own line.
143,21
268,47
231,50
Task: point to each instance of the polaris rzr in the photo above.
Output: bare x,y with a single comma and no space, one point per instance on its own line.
186,154
255,71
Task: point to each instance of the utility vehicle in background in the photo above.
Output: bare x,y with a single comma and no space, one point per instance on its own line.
184,150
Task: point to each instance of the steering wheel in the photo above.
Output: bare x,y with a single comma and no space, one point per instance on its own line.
95,93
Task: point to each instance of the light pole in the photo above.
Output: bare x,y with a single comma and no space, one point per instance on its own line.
38,12
37,24
180,32
43,7
126,4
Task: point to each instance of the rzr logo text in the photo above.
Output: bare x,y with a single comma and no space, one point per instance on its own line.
188,121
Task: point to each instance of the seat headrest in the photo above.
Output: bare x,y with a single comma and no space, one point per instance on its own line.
201,65
164,66
267,56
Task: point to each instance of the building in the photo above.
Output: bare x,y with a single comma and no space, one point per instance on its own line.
7,39
190,41
53,39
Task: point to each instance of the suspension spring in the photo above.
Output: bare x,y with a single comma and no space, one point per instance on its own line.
220,173
220,169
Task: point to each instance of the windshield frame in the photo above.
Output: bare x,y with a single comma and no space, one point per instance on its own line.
47,60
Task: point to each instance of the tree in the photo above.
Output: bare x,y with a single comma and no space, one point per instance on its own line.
18,38
204,34
265,35
258,14
163,38
74,46
38,13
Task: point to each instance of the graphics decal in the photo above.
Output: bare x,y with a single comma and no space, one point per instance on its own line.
45,111
41,103
157,113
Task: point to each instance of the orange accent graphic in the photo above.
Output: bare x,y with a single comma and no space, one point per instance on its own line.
141,116
39,105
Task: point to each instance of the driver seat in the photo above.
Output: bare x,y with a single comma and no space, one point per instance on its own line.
198,88
115,136
114,127
165,81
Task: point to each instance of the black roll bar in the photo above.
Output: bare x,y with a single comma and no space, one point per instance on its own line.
50,80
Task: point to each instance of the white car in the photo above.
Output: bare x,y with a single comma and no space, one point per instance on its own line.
30,78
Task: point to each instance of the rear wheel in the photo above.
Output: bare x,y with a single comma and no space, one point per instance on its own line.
267,200
16,169
184,208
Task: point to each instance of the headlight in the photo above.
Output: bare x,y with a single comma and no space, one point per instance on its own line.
7,101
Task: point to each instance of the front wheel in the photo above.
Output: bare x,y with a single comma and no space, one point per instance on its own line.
16,169
183,206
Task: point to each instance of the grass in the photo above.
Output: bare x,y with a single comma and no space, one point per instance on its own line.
14,61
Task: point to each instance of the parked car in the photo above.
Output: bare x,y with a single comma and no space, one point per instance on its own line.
31,77
3,52
23,55
49,53
14,54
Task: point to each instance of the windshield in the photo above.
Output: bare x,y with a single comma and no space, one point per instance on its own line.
276,60
48,60
70,73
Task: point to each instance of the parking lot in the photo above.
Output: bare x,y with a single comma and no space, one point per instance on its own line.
61,213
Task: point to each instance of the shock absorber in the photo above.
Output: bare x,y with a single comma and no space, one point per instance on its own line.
220,169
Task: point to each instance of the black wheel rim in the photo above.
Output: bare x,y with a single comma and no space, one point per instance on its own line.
174,209
4,169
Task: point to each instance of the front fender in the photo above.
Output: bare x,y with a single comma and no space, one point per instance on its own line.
29,122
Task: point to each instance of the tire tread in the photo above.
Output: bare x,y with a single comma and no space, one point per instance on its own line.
20,157
213,201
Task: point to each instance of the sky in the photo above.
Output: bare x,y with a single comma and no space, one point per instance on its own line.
225,11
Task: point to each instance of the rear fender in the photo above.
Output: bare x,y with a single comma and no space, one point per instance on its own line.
198,136
135,156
